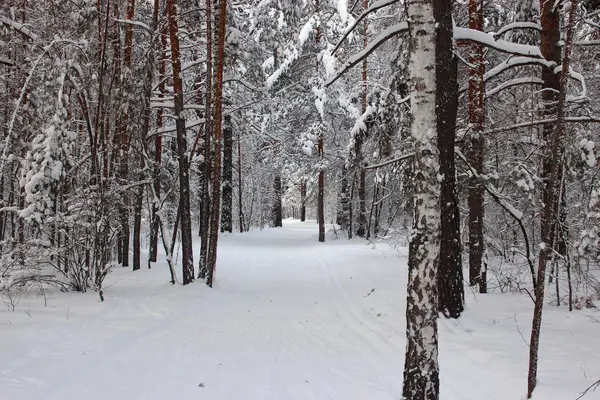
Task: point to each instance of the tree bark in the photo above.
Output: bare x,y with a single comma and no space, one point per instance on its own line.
550,47
227,212
421,370
216,190
321,193
184,183
240,185
277,207
158,139
206,169
476,151
450,275
302,200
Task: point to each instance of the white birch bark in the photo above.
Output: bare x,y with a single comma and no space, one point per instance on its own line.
421,371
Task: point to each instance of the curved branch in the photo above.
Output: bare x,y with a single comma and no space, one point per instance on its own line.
389,33
374,7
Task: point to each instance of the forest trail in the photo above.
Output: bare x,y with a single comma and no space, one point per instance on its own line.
289,318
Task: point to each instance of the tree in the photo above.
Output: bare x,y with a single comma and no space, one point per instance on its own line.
217,132
553,190
184,182
450,278
421,370
476,151
227,212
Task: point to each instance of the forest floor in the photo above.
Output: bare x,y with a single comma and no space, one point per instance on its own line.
289,318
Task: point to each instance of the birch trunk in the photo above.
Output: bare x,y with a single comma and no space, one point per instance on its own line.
421,370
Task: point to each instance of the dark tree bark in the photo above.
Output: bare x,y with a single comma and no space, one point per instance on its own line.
321,194
421,369
361,229
302,200
206,165
476,151
550,47
124,123
216,176
227,212
277,207
137,228
343,211
450,275
158,139
184,182
240,185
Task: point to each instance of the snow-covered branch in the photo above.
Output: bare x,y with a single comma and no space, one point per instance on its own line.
19,27
588,120
512,62
6,61
473,35
517,25
374,7
389,33
135,23
515,82
392,161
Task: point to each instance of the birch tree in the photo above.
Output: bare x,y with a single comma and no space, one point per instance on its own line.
421,369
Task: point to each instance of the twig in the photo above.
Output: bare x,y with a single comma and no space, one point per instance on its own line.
592,387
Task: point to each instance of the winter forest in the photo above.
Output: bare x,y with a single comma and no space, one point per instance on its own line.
299,199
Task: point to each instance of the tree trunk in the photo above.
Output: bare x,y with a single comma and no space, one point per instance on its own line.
358,144
158,139
227,213
206,169
550,47
137,228
421,370
302,200
553,192
216,190
240,186
450,276
475,151
342,213
321,194
184,183
277,207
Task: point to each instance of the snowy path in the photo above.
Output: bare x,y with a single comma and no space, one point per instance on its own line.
289,319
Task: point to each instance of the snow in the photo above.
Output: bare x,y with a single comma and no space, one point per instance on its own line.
342,8
497,44
289,318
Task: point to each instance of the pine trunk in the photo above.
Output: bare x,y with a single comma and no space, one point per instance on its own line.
321,194
240,186
206,164
450,275
227,212
187,261
421,370
302,200
475,151
158,139
216,169
277,207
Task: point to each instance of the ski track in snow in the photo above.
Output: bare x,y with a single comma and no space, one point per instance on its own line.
289,318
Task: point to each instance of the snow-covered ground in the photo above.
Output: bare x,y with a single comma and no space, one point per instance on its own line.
289,318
